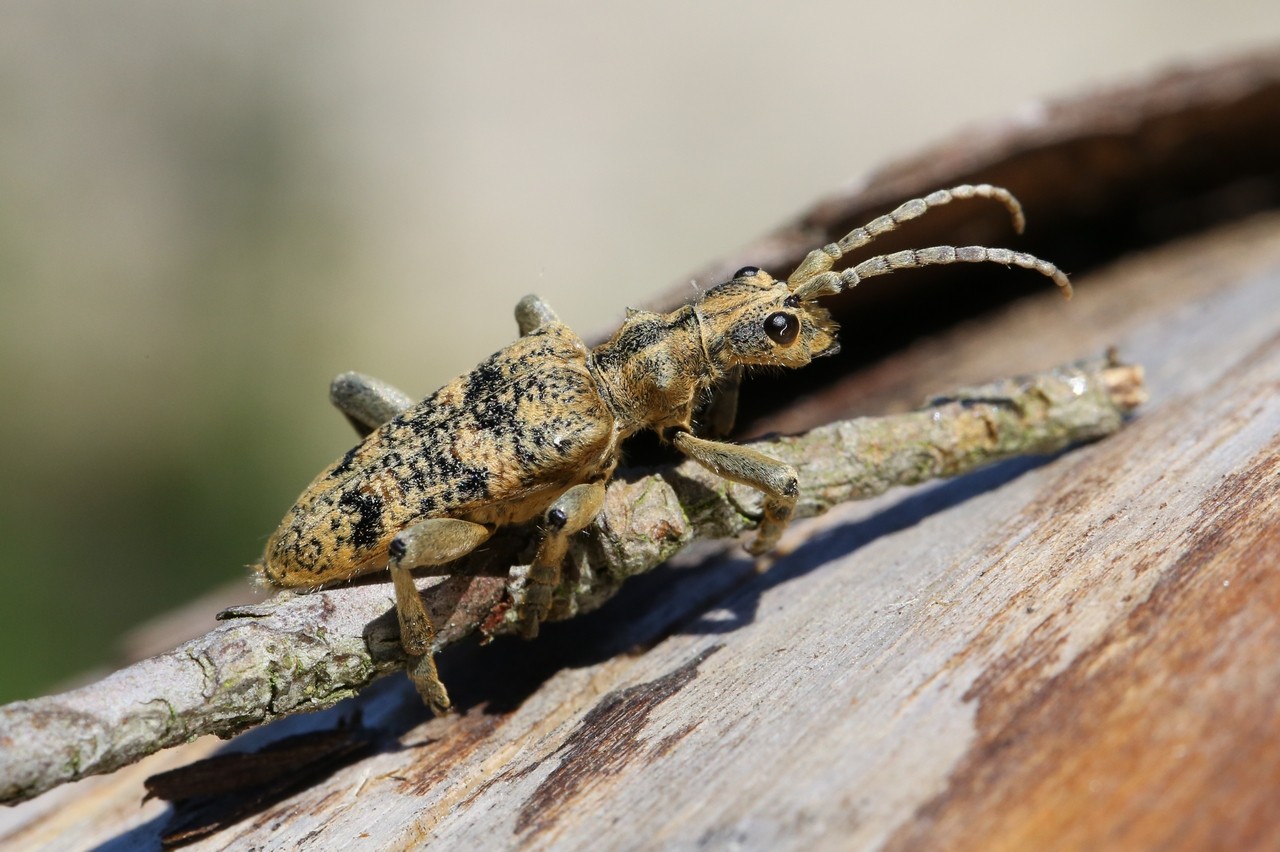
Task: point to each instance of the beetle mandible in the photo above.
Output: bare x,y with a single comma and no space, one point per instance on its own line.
534,432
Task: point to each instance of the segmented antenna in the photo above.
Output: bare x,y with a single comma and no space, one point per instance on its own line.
814,276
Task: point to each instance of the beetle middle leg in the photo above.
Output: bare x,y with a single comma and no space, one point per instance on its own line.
434,541
532,314
367,402
776,479
569,514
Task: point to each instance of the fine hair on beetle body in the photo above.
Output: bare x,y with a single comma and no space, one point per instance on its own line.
533,433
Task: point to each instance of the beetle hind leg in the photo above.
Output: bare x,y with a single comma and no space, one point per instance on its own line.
434,541
568,515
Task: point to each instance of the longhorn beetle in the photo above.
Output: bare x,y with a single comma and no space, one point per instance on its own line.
533,433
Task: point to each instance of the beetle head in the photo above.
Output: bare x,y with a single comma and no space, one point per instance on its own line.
756,319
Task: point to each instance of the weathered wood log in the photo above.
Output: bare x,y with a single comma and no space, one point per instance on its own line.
1068,654
301,653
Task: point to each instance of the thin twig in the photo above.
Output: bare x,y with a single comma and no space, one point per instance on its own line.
302,652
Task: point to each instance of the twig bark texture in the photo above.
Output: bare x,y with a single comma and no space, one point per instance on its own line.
302,652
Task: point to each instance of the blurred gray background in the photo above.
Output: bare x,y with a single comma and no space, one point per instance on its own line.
208,210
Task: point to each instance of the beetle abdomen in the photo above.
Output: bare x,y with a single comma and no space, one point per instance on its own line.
496,446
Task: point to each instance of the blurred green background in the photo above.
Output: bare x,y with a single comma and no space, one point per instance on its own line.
208,210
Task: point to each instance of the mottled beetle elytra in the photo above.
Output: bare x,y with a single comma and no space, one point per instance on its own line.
533,433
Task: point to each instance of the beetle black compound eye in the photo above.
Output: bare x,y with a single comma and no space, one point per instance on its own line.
745,271
782,328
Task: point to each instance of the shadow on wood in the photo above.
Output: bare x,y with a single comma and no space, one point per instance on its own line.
1080,651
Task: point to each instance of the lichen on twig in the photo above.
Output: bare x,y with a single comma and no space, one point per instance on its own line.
301,652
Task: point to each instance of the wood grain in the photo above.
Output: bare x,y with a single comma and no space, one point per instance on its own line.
1072,653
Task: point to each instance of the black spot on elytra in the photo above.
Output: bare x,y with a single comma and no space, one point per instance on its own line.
496,414
366,529
483,380
414,481
473,482
490,399
347,460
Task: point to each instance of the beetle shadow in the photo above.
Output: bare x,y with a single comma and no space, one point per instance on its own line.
707,590
266,765
740,608
710,589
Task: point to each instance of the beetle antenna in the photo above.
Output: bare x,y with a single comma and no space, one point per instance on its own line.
813,277
884,264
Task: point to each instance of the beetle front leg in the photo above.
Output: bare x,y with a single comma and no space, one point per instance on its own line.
367,402
434,541
744,465
568,515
